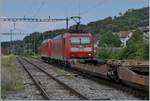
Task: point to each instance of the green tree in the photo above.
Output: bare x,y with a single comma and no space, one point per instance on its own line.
109,40
136,48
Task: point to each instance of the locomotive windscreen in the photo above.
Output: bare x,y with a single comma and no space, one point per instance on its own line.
80,40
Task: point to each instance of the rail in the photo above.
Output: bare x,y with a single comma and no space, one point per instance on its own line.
43,92
57,80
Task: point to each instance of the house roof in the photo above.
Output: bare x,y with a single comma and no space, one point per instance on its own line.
123,34
144,29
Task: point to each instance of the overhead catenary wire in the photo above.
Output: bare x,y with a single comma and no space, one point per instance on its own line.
83,13
30,8
40,7
93,7
38,10
79,7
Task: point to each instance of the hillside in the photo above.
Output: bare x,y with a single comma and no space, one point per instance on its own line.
127,21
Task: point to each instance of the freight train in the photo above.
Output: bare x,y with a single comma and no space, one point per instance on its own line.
68,47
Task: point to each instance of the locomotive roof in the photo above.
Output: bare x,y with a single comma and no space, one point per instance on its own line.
58,36
44,41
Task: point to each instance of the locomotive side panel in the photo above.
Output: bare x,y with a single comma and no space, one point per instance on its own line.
49,48
45,49
66,46
57,49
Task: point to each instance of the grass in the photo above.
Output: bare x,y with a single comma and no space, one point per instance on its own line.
10,81
37,56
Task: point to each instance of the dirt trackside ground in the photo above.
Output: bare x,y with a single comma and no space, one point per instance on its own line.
10,81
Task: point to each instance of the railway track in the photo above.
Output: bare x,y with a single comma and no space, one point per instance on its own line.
135,92
49,86
118,87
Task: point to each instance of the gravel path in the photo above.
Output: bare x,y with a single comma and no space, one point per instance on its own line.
90,89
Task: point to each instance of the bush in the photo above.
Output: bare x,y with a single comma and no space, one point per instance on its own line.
108,53
109,40
136,48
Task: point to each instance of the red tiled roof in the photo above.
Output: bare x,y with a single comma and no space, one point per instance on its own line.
123,34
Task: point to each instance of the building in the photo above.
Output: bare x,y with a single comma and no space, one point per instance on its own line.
5,51
96,45
145,30
124,36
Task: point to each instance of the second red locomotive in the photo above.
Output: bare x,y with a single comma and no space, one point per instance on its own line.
69,46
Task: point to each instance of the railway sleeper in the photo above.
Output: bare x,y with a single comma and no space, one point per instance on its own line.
112,73
121,74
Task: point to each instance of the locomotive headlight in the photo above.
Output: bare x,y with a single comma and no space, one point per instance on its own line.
89,54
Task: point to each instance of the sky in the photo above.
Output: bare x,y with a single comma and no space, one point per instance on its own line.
89,10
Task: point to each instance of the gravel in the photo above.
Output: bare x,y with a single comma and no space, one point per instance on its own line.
54,89
89,88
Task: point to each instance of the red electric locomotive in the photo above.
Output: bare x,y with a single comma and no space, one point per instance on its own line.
67,47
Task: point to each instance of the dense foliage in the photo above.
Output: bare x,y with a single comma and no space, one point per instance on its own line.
136,48
109,40
130,20
108,52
